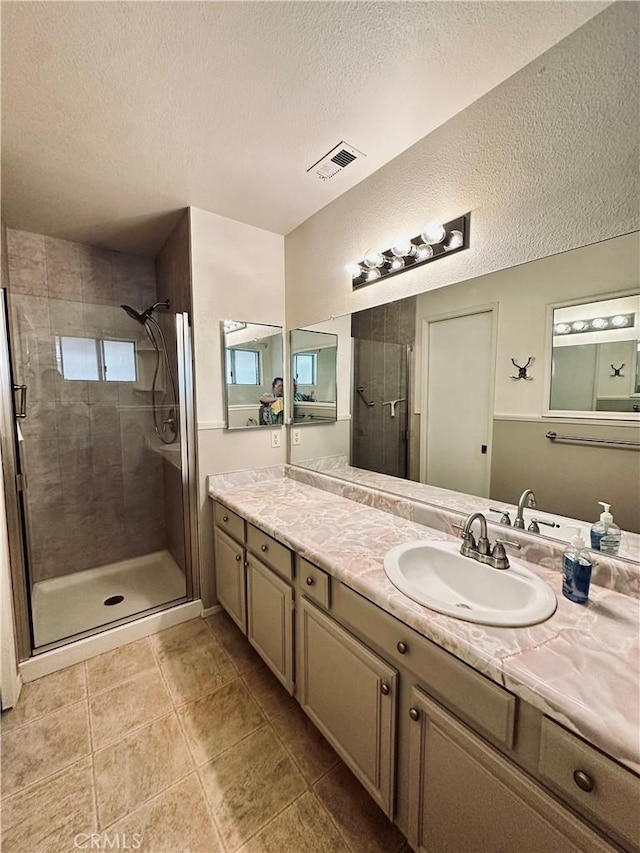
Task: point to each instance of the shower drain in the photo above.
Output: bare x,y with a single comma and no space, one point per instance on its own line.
113,599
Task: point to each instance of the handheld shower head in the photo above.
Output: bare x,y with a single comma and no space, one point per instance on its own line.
133,314
142,318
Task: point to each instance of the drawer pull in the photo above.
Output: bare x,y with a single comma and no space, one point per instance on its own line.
583,780
238,557
263,547
384,689
402,648
225,518
414,714
310,581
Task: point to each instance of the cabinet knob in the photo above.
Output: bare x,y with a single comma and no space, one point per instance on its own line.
583,780
402,648
238,557
414,714
384,688
310,581
246,564
263,547
225,518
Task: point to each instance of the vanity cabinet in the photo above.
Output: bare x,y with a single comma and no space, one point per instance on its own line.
350,694
230,578
464,795
256,591
270,619
457,761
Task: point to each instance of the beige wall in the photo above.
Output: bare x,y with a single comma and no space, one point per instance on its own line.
237,274
545,162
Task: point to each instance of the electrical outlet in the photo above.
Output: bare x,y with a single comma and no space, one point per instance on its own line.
295,437
275,438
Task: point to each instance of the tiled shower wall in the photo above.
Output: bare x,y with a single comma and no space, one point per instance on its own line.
94,488
381,334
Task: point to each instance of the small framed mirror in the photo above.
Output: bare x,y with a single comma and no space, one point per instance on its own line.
253,368
313,376
595,368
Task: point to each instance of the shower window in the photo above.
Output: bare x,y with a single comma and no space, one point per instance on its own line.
243,367
95,359
305,365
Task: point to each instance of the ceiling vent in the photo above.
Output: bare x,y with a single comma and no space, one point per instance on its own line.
335,161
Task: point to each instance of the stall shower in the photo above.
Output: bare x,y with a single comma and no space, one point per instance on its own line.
381,406
101,450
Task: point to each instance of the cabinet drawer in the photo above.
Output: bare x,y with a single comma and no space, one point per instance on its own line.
230,521
276,556
570,765
316,584
484,705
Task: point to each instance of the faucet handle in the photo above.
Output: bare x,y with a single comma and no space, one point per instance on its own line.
535,522
504,513
499,559
504,542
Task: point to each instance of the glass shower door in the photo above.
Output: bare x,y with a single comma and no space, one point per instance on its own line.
380,430
106,509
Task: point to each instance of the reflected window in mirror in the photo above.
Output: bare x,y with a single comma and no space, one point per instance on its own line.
253,368
594,358
313,372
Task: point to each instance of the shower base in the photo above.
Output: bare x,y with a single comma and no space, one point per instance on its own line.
75,603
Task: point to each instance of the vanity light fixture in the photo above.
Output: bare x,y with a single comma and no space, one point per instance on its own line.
434,241
617,321
234,325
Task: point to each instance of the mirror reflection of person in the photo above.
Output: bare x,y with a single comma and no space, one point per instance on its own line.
272,405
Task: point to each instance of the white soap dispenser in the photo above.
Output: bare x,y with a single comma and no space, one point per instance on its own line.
605,535
576,570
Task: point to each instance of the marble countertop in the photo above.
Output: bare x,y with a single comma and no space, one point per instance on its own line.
581,667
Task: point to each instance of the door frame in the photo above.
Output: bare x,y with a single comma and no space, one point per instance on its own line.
487,308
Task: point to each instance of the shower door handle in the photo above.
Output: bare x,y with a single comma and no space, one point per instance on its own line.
21,408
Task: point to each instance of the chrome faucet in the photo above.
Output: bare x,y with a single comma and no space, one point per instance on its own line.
469,547
527,499
482,551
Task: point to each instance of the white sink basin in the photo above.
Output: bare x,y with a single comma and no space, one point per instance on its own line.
437,575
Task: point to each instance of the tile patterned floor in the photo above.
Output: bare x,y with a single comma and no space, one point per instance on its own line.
179,743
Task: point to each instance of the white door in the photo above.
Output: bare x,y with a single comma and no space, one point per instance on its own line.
459,410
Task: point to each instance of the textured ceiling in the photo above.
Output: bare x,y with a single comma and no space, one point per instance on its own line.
116,115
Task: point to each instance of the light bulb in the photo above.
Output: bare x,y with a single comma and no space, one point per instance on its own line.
619,320
354,270
423,252
562,328
396,264
599,323
579,325
433,233
373,259
402,246
454,241
373,274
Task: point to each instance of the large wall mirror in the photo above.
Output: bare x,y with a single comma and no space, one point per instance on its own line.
253,371
440,406
313,376
594,358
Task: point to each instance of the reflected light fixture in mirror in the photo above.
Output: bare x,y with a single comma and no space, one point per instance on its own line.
434,241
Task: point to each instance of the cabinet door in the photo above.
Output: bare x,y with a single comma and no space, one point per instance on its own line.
230,578
350,695
270,619
463,795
